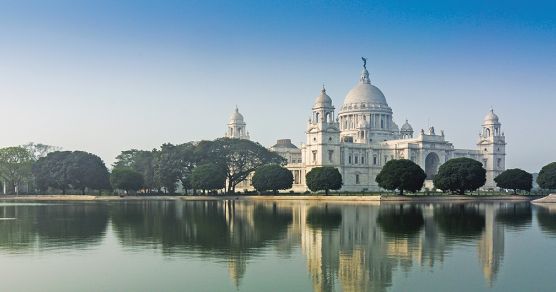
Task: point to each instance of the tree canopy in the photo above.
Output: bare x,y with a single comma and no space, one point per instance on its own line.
402,175
126,179
460,175
272,177
64,170
240,158
515,179
208,177
140,161
15,167
547,177
324,179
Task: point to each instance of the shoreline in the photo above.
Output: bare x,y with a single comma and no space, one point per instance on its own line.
314,198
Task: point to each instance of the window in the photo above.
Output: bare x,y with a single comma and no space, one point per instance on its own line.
314,156
362,159
330,155
374,160
356,159
357,179
349,159
485,163
499,162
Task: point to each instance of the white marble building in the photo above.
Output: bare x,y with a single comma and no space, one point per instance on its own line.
363,136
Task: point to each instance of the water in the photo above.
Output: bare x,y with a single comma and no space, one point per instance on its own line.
282,246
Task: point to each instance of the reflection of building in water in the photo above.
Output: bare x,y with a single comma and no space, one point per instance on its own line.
236,269
491,245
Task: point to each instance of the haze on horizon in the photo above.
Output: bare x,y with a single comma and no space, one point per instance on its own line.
106,76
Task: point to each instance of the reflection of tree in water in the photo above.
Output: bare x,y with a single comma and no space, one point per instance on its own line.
324,218
71,225
515,215
459,221
546,218
400,220
19,233
221,229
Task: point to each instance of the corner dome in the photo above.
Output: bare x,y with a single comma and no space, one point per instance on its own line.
407,127
236,117
323,100
491,117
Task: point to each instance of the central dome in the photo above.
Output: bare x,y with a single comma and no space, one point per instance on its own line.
365,93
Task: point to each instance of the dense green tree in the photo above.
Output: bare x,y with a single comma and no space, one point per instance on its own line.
460,175
65,170
141,161
208,177
240,158
402,175
324,179
86,170
515,179
547,177
167,167
15,167
126,179
272,177
50,171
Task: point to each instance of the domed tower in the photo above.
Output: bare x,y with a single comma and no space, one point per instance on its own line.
237,126
323,135
492,146
407,131
365,102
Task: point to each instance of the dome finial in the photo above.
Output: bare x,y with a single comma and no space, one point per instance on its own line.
365,74
323,88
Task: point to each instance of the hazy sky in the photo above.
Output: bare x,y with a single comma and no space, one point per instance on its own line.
105,76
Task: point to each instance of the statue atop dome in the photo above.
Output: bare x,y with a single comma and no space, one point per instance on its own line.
364,62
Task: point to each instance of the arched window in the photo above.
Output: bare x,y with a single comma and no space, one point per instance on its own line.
316,117
487,132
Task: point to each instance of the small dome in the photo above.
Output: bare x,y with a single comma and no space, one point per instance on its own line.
406,127
236,117
491,117
323,100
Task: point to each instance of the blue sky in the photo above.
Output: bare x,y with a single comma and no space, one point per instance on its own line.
104,76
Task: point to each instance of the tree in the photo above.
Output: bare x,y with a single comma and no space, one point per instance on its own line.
240,158
50,171
547,177
85,170
324,179
272,177
208,177
38,150
141,161
460,175
515,179
64,170
401,174
166,167
126,179
15,166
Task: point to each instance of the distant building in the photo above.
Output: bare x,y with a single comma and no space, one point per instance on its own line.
363,137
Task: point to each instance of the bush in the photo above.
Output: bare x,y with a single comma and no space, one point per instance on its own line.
401,174
547,177
324,179
460,175
515,179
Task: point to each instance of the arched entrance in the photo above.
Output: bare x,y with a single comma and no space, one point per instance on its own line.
431,165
